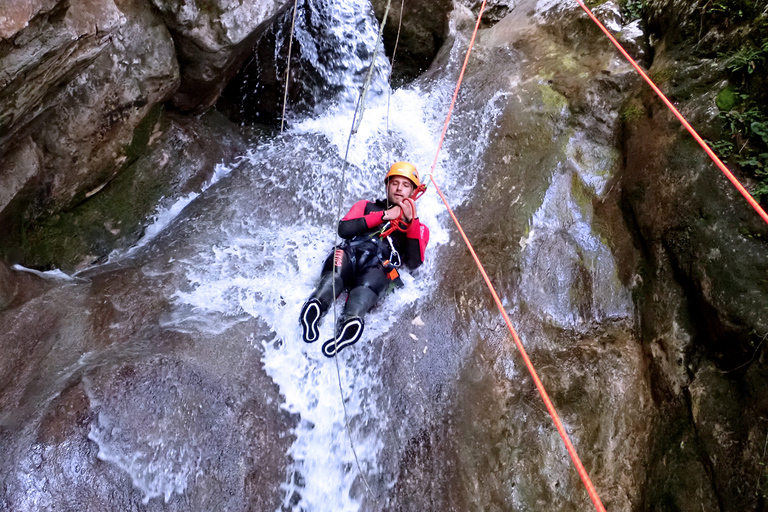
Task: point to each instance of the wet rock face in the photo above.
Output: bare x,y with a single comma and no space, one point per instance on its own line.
212,39
176,157
77,79
8,286
704,288
419,32
102,408
495,10
545,221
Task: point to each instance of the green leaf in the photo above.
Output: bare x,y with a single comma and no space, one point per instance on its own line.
760,129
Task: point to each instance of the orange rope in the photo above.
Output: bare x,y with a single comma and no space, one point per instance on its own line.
539,386
712,155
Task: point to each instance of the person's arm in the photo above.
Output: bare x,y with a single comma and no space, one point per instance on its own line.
415,244
356,221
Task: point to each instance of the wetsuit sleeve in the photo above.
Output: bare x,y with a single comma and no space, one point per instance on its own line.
356,221
416,240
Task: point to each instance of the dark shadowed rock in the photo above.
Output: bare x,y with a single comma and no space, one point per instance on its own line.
423,30
17,287
212,40
332,50
8,286
77,78
495,10
704,288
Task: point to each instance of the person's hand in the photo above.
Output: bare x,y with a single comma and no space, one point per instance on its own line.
392,213
408,206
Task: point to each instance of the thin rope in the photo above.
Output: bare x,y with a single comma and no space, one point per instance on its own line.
369,76
679,116
528,364
356,119
539,386
288,65
392,65
335,315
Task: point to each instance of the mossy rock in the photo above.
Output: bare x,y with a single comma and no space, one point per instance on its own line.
173,155
727,99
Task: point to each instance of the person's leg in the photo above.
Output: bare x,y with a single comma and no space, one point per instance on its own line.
323,296
351,323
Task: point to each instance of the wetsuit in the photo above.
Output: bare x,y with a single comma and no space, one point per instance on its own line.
361,268
364,266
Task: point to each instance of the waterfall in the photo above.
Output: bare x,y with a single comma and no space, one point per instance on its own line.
242,255
277,227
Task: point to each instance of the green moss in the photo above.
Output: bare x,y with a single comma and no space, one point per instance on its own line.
90,230
660,76
633,9
581,194
142,133
552,99
727,98
632,112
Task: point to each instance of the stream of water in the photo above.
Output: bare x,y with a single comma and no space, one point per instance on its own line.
251,243
281,206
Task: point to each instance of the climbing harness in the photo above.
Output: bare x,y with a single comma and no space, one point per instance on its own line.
288,64
728,174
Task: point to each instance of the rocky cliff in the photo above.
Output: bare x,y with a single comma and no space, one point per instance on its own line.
636,274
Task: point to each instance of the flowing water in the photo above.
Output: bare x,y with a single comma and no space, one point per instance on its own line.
267,262
262,232
250,246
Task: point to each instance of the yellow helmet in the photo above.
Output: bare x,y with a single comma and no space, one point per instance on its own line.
406,170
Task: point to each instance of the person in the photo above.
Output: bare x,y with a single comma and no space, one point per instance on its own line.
366,263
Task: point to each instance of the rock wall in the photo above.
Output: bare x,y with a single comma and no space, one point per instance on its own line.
212,39
419,32
78,77
82,83
660,338
704,271
105,409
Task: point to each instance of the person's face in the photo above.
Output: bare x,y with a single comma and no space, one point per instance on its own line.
399,188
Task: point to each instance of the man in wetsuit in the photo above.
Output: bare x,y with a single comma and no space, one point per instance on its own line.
366,263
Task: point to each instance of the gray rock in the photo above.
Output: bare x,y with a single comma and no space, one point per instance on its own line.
8,286
78,77
424,30
111,422
212,40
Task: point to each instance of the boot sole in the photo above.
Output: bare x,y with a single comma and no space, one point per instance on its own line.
334,345
310,317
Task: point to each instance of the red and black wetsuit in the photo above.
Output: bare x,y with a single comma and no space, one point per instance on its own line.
366,218
360,258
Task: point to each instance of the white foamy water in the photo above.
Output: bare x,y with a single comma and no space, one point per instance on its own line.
268,271
261,256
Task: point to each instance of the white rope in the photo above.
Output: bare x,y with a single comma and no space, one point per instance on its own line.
288,65
356,119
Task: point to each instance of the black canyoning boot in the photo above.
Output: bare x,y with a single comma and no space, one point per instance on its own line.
348,333
310,318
